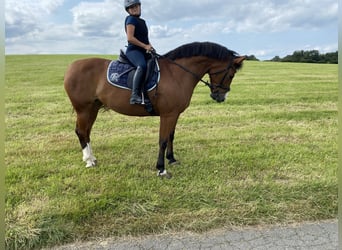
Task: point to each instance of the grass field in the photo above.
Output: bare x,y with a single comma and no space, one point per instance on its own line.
267,155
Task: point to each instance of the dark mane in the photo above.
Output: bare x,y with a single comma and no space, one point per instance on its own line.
207,49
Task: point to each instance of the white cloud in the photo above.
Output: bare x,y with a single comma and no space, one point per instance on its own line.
26,17
96,25
323,49
159,31
245,15
98,18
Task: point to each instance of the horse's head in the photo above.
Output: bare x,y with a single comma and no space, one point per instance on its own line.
221,78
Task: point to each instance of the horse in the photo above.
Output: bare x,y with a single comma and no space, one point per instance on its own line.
181,69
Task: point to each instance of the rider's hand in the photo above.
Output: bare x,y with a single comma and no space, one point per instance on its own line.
149,48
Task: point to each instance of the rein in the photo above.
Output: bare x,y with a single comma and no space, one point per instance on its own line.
207,83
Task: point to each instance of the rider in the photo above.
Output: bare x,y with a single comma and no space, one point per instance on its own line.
138,46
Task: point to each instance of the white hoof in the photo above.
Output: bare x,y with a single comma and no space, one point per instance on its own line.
88,157
91,164
165,174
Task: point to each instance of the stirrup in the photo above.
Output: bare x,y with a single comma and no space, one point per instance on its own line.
135,100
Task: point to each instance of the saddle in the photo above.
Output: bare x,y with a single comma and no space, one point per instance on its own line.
120,73
151,63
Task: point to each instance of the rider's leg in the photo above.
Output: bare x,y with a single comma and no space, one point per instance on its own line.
138,59
136,88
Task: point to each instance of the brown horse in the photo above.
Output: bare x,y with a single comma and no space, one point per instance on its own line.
180,70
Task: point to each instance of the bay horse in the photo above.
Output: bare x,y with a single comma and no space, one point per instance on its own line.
181,69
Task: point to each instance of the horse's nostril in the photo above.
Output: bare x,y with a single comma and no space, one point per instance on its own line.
217,97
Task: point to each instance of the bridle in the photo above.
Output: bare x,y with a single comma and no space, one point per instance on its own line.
220,85
207,83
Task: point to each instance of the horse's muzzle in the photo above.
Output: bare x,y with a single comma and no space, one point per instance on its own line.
219,97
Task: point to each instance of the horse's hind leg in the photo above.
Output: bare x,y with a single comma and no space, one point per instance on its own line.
85,120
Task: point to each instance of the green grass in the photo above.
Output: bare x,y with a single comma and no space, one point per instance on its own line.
267,155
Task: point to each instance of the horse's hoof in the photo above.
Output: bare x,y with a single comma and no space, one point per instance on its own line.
91,164
174,163
165,174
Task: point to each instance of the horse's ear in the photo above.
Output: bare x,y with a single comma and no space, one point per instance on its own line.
239,60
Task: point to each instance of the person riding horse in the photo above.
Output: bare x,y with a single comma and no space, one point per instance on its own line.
138,46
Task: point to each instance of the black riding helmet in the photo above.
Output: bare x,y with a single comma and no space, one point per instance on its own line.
129,3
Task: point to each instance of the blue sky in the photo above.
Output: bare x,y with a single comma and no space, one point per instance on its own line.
264,28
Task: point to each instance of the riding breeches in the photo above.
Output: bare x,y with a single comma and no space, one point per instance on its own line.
137,58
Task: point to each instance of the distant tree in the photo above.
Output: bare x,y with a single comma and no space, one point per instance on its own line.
276,59
311,56
332,57
252,58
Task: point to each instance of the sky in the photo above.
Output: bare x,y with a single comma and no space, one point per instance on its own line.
264,28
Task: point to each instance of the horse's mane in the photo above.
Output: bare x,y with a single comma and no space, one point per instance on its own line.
207,49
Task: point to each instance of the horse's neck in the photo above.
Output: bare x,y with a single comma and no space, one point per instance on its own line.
184,74
194,67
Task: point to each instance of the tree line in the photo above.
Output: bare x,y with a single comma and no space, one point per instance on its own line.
311,56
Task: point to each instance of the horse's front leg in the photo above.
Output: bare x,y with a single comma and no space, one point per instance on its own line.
166,135
169,151
161,161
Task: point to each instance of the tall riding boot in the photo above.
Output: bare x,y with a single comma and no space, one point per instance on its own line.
136,89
